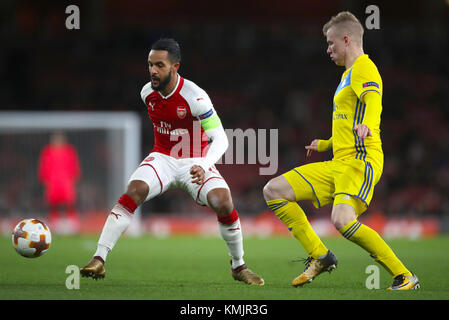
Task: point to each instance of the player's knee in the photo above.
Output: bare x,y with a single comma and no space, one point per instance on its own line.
138,191
338,222
270,192
342,214
276,189
220,201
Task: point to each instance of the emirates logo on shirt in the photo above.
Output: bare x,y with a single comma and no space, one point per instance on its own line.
181,112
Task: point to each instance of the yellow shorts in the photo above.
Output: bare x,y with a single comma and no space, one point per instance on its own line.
349,181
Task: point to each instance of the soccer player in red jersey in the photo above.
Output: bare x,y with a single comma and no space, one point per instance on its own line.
59,170
184,119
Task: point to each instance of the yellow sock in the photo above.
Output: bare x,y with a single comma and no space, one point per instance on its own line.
371,241
295,219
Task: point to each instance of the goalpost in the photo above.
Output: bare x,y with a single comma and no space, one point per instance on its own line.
108,145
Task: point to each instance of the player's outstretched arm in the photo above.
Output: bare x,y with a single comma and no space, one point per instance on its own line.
202,108
218,146
318,145
313,146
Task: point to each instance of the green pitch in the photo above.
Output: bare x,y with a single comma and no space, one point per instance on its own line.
184,268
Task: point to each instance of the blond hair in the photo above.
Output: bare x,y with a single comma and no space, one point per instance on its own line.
347,23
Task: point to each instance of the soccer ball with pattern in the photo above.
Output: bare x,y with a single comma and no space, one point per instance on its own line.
31,238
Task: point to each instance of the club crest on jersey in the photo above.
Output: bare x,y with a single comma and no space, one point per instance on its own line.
181,112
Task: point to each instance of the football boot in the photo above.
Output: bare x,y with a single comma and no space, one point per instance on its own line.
314,267
403,282
245,275
94,269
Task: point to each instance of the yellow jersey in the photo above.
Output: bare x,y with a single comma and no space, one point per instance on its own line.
350,109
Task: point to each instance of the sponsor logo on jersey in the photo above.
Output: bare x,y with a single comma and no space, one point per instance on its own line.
181,112
339,116
370,84
174,132
179,132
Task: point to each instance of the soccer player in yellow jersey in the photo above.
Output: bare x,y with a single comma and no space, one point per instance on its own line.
347,181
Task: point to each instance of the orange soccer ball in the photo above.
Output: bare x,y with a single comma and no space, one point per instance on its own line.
31,238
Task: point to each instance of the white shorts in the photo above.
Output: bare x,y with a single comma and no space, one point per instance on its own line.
162,172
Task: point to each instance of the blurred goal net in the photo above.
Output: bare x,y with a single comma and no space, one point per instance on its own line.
108,147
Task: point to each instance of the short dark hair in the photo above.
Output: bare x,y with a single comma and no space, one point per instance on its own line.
169,45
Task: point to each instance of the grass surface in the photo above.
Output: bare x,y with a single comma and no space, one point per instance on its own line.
195,268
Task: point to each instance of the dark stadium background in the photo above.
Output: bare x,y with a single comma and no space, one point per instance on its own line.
264,65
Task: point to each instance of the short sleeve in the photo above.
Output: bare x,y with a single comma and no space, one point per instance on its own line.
146,90
364,78
201,106
204,111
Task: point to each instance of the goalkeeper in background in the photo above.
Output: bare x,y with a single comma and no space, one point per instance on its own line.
59,171
347,180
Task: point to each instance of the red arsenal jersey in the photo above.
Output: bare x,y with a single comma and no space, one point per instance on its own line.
175,117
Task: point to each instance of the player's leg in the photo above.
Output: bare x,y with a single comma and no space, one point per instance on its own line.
71,214
215,194
148,181
308,182
53,200
344,218
70,209
282,194
347,207
219,199
120,217
54,218
116,224
73,221
281,199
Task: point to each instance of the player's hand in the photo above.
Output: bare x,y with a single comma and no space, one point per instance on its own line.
362,131
312,147
198,174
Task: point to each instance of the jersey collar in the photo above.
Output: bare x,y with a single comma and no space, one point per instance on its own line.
360,58
174,90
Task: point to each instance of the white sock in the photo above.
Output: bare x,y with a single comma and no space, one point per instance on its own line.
116,223
102,252
232,235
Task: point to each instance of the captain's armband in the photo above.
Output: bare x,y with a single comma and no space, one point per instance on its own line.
210,122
